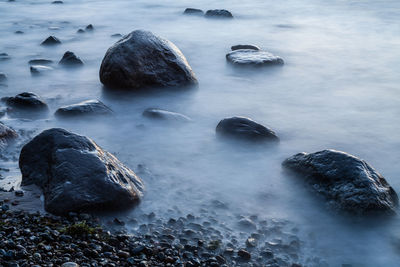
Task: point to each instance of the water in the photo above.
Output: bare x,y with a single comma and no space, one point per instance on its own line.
338,89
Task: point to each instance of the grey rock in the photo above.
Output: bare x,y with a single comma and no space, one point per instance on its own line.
40,61
253,57
76,175
4,56
89,27
252,47
219,13
245,128
141,59
155,113
39,69
26,105
57,2
70,59
85,108
350,184
70,264
3,77
51,40
193,11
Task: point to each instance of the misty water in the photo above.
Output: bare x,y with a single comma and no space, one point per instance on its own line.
339,88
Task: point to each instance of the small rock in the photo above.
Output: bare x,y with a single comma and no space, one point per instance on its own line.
244,254
70,264
238,47
85,108
193,11
80,31
40,61
3,77
251,242
25,102
70,59
89,27
19,193
18,32
219,13
251,57
51,40
58,2
39,69
4,56
156,113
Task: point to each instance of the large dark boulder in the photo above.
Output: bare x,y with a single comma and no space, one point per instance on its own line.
349,184
26,105
141,59
218,13
160,114
252,57
245,128
84,109
75,174
6,135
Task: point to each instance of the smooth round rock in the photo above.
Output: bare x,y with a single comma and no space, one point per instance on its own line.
245,128
193,11
253,57
240,46
84,109
39,69
26,101
155,113
142,59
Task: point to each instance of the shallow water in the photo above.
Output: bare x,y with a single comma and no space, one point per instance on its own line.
339,88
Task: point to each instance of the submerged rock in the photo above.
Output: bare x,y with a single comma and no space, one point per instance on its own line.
156,113
89,27
19,32
80,31
51,40
4,56
25,105
350,184
70,59
253,57
75,174
252,47
219,13
193,11
85,108
40,61
57,2
6,135
3,77
141,59
245,128
39,69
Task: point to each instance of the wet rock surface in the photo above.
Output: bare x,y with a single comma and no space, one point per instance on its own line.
6,135
219,13
88,108
69,59
141,59
74,173
39,69
246,129
349,184
252,57
40,61
26,104
160,114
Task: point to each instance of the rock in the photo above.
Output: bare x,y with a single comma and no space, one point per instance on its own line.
6,135
4,56
245,128
70,59
219,13
156,113
18,32
80,31
116,35
70,264
85,108
40,61
141,59
39,69
89,27
25,105
193,11
349,183
51,40
75,174
253,57
243,254
3,77
57,2
238,47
